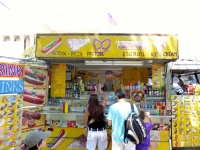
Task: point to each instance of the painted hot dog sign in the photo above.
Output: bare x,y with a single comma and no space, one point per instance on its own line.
107,46
35,76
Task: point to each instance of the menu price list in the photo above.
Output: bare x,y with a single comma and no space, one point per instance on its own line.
186,124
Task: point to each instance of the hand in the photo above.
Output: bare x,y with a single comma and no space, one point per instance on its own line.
147,114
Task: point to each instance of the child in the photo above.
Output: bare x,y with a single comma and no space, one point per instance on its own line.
36,140
146,143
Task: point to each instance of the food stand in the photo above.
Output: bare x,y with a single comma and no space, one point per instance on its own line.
77,63
186,106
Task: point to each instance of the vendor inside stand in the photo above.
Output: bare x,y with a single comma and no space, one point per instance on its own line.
108,85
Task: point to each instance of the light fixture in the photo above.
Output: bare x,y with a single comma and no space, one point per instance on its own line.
115,63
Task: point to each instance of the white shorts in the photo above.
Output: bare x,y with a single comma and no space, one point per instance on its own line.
122,145
97,138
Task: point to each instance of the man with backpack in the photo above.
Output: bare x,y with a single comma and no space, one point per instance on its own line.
117,115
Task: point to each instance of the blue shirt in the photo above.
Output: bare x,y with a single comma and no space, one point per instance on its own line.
118,113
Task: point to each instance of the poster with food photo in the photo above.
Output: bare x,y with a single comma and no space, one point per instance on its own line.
34,96
31,118
158,76
35,76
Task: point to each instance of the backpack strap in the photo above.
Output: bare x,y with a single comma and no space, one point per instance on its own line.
125,133
132,108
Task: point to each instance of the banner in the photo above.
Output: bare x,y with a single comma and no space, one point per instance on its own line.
107,46
11,86
10,121
58,77
158,76
11,70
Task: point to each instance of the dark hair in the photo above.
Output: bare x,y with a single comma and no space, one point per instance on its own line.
108,72
95,109
36,146
142,114
120,93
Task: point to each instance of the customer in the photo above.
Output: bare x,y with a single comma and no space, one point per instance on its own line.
146,143
97,135
117,115
108,83
36,140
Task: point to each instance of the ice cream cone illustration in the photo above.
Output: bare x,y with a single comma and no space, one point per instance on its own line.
159,43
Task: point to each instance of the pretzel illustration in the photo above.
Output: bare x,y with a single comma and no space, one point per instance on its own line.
137,96
104,45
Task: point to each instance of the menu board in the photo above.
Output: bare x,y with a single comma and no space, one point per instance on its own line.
10,120
158,76
130,75
186,123
143,75
133,75
58,77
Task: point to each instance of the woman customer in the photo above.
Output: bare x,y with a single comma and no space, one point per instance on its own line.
94,118
36,140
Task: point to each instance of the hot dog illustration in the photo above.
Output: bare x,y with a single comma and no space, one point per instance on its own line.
53,46
11,105
33,99
10,112
41,76
24,121
57,141
35,93
93,74
32,80
117,74
3,106
81,73
28,71
2,114
33,115
35,73
31,123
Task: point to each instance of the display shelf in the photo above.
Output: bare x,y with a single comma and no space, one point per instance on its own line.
154,98
162,116
61,113
158,116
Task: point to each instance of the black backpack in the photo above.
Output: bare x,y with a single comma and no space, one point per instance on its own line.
135,130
